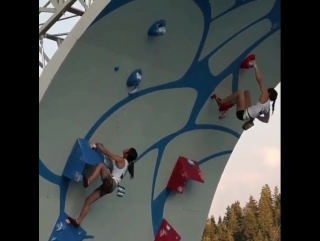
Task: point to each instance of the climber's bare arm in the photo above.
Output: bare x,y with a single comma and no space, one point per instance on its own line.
108,153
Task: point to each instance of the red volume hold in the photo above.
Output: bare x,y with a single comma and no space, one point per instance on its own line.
245,63
167,233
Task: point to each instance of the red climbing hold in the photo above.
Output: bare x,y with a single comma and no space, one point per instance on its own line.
245,63
185,169
167,233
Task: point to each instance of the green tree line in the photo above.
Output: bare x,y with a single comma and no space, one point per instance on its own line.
256,221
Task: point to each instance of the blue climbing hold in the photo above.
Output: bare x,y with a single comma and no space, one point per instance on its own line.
116,68
134,80
64,231
157,29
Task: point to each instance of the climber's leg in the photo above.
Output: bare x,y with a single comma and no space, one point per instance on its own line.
247,98
108,186
85,209
101,170
237,97
243,101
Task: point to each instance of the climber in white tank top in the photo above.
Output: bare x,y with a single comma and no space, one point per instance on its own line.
110,179
118,173
245,110
259,109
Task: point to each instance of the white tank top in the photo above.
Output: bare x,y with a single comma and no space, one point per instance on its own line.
259,109
118,173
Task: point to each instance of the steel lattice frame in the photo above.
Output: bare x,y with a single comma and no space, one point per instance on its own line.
57,8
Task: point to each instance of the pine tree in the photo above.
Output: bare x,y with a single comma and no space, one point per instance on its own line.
237,209
276,206
219,220
253,205
223,233
236,220
206,235
213,221
212,230
250,224
280,207
226,217
233,220
265,218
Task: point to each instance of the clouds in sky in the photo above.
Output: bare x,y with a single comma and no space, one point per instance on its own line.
271,157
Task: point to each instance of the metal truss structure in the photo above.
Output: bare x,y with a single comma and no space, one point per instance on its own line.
57,11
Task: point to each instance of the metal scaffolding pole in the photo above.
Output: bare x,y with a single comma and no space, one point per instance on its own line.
57,8
42,52
61,8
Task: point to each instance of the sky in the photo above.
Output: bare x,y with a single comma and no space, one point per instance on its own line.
255,160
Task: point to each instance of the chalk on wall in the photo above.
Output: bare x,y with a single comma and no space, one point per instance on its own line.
134,80
157,29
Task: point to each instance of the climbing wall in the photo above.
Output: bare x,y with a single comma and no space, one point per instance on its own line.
171,56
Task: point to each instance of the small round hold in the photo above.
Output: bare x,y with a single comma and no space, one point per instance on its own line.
116,68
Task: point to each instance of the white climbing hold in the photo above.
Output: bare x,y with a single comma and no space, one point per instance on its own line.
138,76
161,30
180,189
60,226
135,89
191,162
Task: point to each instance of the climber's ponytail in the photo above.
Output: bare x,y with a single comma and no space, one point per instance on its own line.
273,94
